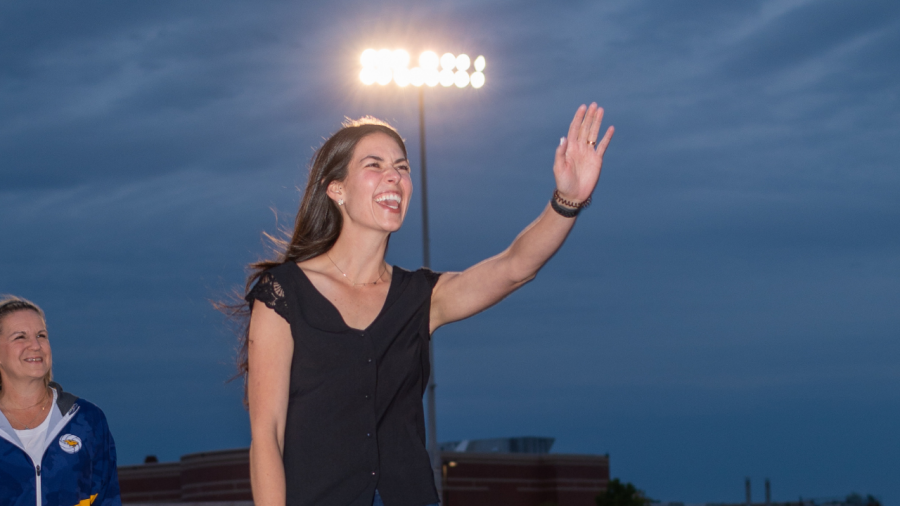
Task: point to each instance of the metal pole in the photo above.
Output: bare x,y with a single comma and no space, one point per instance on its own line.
433,449
426,249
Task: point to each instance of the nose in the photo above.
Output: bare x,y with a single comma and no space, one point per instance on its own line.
392,175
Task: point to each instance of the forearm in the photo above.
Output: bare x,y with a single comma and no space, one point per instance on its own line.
460,295
576,169
535,245
267,472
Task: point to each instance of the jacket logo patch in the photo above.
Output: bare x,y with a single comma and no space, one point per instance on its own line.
70,443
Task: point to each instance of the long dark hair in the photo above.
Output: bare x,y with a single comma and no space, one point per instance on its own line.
11,304
318,223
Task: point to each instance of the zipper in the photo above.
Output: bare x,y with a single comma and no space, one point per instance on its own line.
37,485
50,437
52,433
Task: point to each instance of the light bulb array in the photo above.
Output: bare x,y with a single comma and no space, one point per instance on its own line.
384,66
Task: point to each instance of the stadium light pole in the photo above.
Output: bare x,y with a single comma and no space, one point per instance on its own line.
384,67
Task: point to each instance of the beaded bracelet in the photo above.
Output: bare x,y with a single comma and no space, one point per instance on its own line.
562,211
568,203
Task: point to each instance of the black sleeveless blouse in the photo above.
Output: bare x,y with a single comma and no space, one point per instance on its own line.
355,420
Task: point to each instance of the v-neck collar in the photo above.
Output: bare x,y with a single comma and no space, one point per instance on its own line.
387,300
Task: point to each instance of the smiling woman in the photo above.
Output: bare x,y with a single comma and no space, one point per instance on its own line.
81,467
335,354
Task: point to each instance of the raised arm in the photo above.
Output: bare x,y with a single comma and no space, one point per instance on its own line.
577,165
270,350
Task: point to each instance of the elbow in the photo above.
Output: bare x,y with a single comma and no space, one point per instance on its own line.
528,278
267,445
519,273
516,269
520,279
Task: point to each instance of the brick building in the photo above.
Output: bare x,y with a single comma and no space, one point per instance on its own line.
523,479
512,472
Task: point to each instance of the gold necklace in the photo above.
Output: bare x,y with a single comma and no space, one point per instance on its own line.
33,418
380,275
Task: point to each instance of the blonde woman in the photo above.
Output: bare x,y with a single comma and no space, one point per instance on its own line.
55,449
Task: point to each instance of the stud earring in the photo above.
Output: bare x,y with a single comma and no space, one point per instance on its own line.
340,202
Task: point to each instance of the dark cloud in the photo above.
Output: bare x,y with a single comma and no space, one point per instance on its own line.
807,32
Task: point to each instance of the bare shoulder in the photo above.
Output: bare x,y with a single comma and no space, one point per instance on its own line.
266,324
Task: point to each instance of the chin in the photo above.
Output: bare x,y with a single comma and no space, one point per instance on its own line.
392,225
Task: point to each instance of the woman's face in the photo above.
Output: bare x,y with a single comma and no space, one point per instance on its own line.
24,346
377,188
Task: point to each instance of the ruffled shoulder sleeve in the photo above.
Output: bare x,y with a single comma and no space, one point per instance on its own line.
271,293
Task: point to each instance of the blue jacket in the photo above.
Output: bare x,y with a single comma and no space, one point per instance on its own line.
78,467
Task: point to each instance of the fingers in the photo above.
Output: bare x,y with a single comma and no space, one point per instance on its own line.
560,160
575,126
596,120
601,146
587,125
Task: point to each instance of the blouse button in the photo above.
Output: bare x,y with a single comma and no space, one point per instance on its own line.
368,434
373,473
367,396
369,361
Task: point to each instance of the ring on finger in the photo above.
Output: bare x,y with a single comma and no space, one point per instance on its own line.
592,143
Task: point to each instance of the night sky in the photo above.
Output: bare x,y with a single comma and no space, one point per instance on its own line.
727,307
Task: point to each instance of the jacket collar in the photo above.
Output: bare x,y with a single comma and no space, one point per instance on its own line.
64,400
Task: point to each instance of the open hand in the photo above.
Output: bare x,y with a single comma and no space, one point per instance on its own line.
579,156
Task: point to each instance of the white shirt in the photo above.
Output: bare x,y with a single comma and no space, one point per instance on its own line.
33,439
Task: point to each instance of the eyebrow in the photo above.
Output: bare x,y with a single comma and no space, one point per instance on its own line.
380,159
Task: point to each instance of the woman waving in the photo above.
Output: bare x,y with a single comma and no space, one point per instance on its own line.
336,354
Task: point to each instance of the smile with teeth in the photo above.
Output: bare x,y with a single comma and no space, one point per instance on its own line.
35,359
389,200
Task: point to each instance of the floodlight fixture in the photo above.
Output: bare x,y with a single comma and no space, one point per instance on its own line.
477,80
367,75
383,75
448,61
462,62
479,64
384,65
447,77
461,79
369,58
429,60
432,77
400,59
401,77
417,76
384,58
